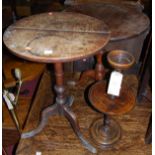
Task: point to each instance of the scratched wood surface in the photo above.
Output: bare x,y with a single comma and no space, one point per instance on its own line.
124,20
135,3
55,37
57,138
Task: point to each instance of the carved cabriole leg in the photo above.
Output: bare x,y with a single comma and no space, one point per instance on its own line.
54,109
85,74
75,125
96,74
46,113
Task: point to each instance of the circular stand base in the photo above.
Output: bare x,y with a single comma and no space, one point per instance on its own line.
105,135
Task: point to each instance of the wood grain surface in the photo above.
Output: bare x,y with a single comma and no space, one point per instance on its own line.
103,102
120,59
57,138
55,37
124,20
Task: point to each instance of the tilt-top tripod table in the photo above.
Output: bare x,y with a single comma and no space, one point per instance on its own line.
107,131
127,23
57,38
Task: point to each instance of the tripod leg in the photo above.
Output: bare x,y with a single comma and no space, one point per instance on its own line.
74,123
69,100
49,111
86,74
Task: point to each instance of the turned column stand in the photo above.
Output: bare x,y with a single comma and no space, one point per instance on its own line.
106,131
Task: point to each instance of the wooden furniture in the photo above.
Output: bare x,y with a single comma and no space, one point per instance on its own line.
127,23
57,38
58,138
107,131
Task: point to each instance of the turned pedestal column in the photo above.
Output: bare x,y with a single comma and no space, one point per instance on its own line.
57,38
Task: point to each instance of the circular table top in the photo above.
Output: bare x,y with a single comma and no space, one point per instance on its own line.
56,37
101,101
124,20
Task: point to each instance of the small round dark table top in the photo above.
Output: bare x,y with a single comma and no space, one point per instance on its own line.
56,37
123,19
101,101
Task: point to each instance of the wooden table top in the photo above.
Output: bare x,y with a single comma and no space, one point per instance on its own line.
124,20
56,37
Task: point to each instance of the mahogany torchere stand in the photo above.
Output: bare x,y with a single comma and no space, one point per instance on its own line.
107,131
57,38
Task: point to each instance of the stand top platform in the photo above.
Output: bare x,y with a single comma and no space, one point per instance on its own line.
102,102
